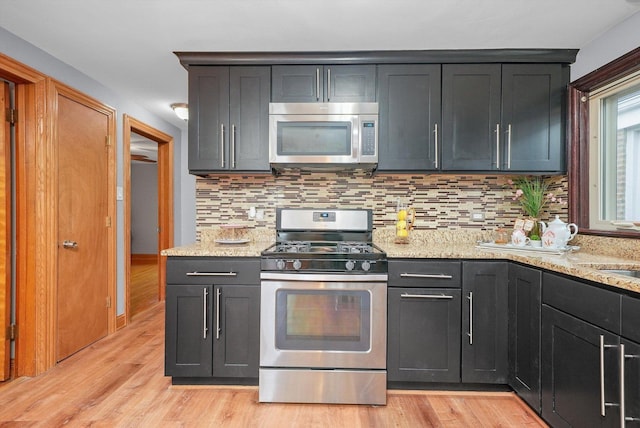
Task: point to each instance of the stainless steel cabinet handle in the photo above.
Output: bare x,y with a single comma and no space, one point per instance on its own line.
497,146
509,146
205,293
623,418
426,275
426,296
317,84
222,145
328,84
435,132
218,313
470,334
69,244
212,274
232,153
603,401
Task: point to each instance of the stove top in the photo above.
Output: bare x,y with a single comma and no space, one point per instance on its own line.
324,241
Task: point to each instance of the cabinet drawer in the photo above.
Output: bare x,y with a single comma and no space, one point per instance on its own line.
592,304
420,273
213,270
631,318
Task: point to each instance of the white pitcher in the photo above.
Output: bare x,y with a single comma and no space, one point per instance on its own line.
558,233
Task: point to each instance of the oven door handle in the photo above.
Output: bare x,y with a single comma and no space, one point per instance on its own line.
212,274
426,296
329,277
426,275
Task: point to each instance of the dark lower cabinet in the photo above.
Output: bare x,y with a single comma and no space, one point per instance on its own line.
212,320
525,299
631,371
423,335
236,349
188,335
572,376
484,321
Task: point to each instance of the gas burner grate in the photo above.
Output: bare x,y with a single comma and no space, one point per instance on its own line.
354,247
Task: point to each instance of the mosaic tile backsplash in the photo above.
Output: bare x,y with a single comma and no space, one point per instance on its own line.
441,201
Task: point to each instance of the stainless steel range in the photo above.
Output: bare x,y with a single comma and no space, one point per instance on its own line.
323,311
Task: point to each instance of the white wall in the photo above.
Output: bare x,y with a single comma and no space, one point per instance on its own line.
144,208
613,44
184,185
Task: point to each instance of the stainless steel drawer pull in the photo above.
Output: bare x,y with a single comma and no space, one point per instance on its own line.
435,139
426,275
218,293
212,274
205,293
498,146
222,145
426,296
470,334
603,401
623,417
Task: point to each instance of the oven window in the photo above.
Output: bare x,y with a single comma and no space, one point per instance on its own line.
327,320
314,138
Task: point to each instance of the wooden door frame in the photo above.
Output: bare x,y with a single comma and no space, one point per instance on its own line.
165,202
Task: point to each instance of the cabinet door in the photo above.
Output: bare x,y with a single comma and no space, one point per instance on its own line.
236,351
484,319
329,83
208,118
631,383
525,300
188,334
423,337
571,374
532,117
250,91
409,97
470,117
297,84
350,83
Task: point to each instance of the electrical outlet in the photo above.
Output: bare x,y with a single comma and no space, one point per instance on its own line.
477,216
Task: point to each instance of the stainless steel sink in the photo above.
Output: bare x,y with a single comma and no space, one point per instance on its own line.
625,272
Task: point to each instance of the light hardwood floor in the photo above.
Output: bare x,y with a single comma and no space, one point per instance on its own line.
119,382
144,284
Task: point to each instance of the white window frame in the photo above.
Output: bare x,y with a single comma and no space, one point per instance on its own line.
596,201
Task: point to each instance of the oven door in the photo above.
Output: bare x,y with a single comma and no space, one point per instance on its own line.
323,321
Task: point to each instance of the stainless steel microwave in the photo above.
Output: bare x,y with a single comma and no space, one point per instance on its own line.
339,135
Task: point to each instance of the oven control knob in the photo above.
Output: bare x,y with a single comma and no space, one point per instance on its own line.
296,264
366,266
350,265
280,264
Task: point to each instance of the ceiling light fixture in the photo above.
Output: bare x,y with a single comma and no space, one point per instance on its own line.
181,110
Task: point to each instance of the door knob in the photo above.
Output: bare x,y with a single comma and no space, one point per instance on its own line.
69,244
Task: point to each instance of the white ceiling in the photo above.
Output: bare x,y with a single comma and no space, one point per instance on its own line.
128,45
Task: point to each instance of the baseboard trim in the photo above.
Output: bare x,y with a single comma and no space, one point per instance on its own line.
121,321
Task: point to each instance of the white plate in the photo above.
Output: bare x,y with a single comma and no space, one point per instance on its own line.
232,241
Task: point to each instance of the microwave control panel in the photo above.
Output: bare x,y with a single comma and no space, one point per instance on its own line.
368,138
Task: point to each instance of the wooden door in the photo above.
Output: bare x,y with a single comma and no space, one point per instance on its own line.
5,236
82,288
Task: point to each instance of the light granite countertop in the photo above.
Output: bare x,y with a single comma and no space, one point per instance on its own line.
583,263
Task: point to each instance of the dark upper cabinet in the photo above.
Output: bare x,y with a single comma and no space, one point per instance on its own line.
484,320
423,337
236,350
532,117
409,99
525,304
229,119
318,83
470,116
503,118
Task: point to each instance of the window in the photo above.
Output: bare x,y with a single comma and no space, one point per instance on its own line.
614,155
604,169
